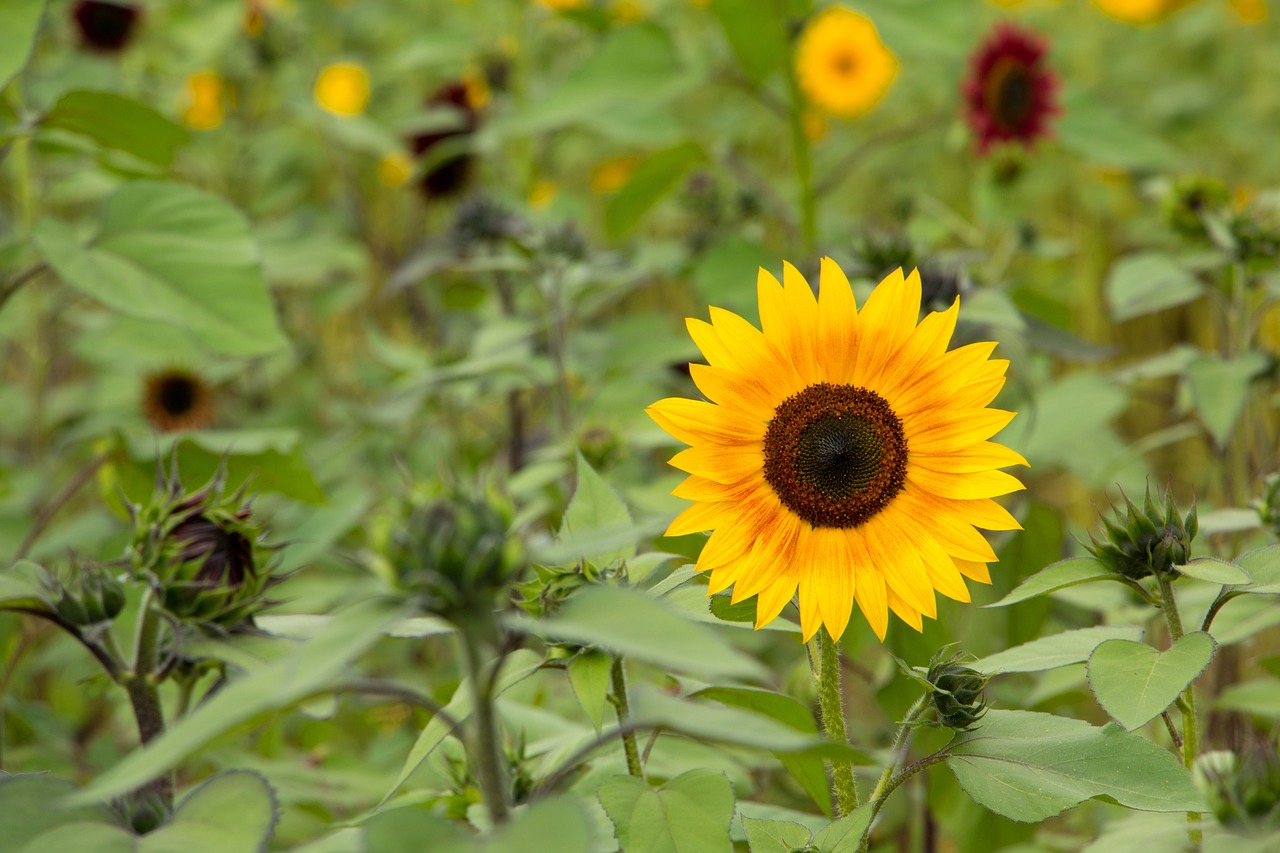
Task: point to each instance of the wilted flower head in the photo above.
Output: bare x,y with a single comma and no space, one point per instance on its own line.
1142,542
958,692
448,166
105,27
177,399
1010,93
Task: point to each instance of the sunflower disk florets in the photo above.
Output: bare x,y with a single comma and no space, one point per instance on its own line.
1140,543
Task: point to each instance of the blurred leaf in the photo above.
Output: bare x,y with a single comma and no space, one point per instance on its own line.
1220,387
1146,282
757,32
21,586
1213,570
589,672
845,835
114,121
32,803
652,180
725,276
172,253
1029,766
1089,127
1263,566
309,669
19,22
691,812
234,810
553,824
634,624
1134,683
774,836
1259,698
83,837
412,830
595,507
1059,575
1228,520
1057,650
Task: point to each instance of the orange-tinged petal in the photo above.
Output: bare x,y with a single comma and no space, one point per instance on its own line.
957,536
894,555
978,484
735,391
773,598
699,422
810,615
923,347
949,431
943,575
872,600
986,514
700,517
757,354
824,557
905,611
772,556
695,488
978,457
729,463
973,570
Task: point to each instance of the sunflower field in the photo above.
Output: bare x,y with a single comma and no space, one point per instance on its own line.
658,426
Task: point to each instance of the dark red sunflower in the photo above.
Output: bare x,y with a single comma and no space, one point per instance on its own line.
177,399
448,163
1010,93
105,27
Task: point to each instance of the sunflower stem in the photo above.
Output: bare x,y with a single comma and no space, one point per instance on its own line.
807,198
623,708
831,704
484,739
1187,702
144,693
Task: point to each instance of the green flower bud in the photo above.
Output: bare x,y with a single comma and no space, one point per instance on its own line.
1243,791
91,597
1142,542
959,693
1190,200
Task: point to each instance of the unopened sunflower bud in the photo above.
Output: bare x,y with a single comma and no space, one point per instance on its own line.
1142,542
1191,199
91,597
959,693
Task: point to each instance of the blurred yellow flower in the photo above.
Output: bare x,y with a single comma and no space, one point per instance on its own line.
627,11
254,20
478,92
610,175
842,66
542,194
1140,11
562,5
203,98
814,124
395,169
342,88
1249,11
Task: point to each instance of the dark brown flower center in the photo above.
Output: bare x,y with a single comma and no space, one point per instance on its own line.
1010,94
177,395
835,455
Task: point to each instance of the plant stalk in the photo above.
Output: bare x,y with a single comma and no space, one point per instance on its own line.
623,707
144,693
1187,702
485,735
806,197
831,705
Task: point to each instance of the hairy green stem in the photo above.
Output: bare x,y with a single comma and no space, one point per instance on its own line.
1187,702
485,735
619,699
899,749
144,693
831,704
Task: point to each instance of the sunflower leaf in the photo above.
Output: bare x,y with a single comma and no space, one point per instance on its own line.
19,21
1057,650
1055,576
691,812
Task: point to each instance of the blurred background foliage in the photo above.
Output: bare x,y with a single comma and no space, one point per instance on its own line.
364,255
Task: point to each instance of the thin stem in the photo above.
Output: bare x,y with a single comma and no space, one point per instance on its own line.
1223,598
896,782
1187,702
831,704
1169,604
1173,730
144,693
12,287
807,198
619,700
901,743
485,737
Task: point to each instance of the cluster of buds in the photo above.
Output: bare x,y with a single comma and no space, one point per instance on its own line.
1146,542
203,553
958,692
91,597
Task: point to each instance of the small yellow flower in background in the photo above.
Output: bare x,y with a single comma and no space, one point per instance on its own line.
342,88
842,66
612,174
1140,11
254,20
478,92
844,455
562,5
395,169
814,124
1249,11
542,194
627,11
203,96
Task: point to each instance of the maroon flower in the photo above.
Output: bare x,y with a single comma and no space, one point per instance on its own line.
1010,93
105,27
448,162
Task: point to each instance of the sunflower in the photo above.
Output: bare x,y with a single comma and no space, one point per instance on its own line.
844,453
449,160
176,399
1140,11
105,27
842,66
1010,92
342,88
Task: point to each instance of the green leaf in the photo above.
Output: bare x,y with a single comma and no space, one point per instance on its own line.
554,824
173,254
1028,767
412,830
1214,570
756,32
516,667
689,814
1263,566
1059,575
1057,650
21,586
845,835
774,836
725,274
595,507
83,837
1259,698
1219,389
1090,128
1146,282
32,803
649,184
309,669
120,123
722,609
631,623
234,810
589,672
19,22
1134,683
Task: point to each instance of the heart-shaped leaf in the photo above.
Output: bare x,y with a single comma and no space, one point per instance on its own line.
1134,683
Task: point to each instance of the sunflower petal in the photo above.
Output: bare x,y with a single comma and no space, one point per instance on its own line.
885,322
700,517
949,431
899,563
713,349
977,484
773,598
978,457
736,391
905,611
698,422
837,324
729,464
974,571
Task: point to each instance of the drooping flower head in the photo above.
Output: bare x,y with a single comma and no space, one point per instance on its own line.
105,27
448,163
177,399
1010,93
842,66
844,453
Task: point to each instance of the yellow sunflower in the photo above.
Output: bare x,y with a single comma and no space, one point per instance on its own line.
842,66
844,453
1140,11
